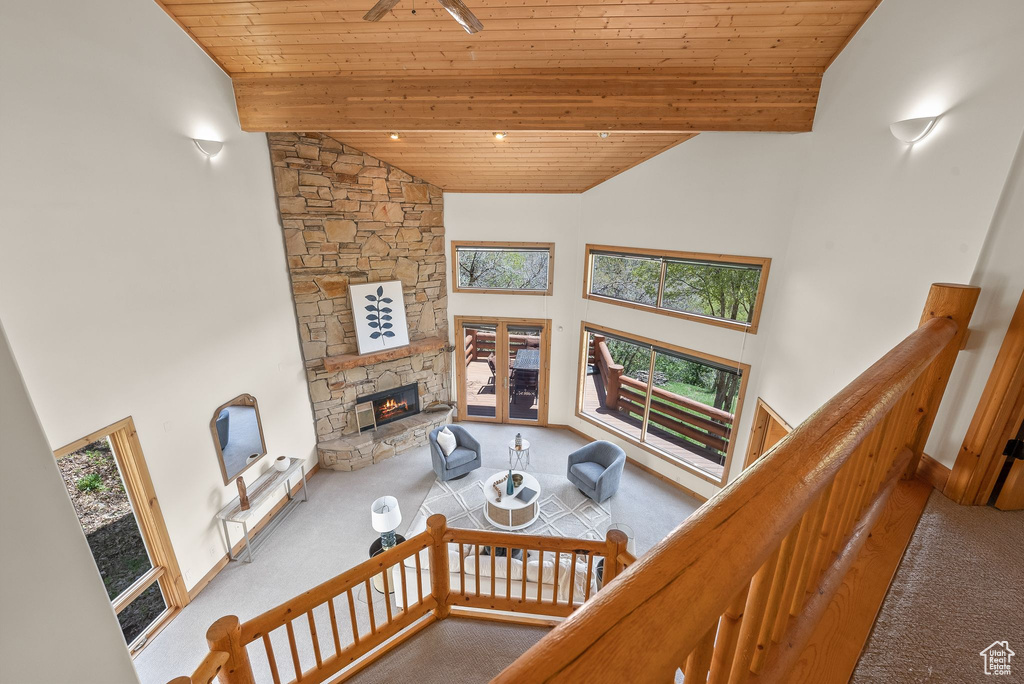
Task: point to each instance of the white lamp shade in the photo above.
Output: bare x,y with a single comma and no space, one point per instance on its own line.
912,130
208,147
385,516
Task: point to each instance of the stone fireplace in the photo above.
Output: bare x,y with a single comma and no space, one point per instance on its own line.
350,218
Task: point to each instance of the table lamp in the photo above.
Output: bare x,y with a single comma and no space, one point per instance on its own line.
385,516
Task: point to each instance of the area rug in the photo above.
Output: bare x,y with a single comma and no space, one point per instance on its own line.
564,510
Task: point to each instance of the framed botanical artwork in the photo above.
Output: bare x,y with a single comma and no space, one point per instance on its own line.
378,310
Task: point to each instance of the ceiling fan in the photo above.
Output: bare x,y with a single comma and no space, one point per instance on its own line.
456,8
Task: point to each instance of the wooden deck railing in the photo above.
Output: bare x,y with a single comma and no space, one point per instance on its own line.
480,344
733,593
708,426
235,646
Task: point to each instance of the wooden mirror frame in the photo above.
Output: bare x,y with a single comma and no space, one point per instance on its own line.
240,400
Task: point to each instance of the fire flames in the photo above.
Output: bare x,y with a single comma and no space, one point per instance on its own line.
391,408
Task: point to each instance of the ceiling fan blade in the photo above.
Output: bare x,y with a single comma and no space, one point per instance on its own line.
378,11
461,14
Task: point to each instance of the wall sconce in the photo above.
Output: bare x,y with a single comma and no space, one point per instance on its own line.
910,131
211,148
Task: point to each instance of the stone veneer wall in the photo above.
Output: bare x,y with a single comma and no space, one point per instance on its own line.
349,217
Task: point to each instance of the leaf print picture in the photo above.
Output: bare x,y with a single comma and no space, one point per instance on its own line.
379,314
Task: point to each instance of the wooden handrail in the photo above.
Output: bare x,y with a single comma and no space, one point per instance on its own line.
723,559
230,640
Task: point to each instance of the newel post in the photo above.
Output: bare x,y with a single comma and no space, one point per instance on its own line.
616,541
226,635
955,302
437,525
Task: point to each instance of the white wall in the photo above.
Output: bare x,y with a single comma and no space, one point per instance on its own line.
857,224
50,588
138,277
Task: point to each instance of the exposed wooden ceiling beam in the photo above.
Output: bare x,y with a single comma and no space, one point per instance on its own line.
632,101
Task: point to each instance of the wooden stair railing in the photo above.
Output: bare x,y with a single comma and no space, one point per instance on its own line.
733,593
338,653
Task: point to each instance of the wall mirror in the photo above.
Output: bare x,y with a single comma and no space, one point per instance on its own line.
238,435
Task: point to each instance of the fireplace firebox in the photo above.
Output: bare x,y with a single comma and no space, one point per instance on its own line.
394,404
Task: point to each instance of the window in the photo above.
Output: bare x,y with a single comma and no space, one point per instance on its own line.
503,267
677,403
721,290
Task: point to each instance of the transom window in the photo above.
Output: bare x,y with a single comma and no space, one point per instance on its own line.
680,404
717,289
503,267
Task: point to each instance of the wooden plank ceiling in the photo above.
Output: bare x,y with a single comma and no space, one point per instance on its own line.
550,71
474,161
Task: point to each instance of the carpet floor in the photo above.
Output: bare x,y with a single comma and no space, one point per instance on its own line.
332,533
959,588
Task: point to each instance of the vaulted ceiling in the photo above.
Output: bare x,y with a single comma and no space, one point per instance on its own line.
551,72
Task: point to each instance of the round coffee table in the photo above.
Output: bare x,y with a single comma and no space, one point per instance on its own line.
511,513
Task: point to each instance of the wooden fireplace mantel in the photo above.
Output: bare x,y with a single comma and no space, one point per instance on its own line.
333,364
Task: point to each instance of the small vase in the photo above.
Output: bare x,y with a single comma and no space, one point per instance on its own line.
519,441
281,463
509,486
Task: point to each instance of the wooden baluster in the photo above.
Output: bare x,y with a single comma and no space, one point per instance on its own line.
476,583
728,633
313,636
558,564
369,608
439,572
699,661
402,582
494,562
753,616
270,658
352,617
419,579
462,568
226,635
387,593
334,626
796,593
572,581
590,573
771,611
859,462
295,651
540,576
522,589
823,545
508,573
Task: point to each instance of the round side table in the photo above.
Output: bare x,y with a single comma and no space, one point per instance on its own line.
378,579
519,459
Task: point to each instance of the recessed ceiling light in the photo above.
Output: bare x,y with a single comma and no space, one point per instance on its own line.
500,135
394,135
603,134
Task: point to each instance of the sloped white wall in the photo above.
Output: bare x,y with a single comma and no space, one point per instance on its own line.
57,624
138,277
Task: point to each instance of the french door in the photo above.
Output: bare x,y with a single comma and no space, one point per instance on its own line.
502,369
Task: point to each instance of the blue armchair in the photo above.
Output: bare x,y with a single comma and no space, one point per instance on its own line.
459,463
596,469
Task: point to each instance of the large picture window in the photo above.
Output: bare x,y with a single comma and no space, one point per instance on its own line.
717,289
680,404
503,267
